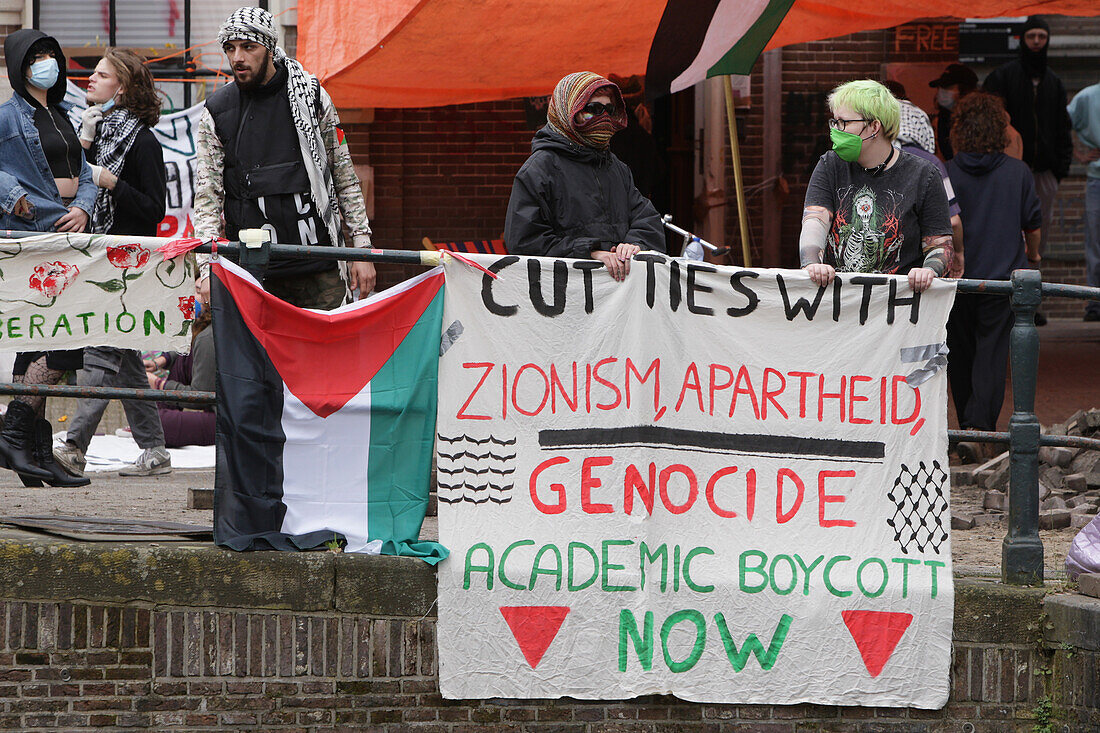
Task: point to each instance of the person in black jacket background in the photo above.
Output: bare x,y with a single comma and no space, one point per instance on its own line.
1036,101
1001,221
573,197
128,167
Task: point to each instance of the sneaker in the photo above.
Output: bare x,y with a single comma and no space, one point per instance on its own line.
123,433
71,458
151,462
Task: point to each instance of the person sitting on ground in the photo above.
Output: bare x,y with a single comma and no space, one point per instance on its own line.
998,200
573,197
45,185
193,371
129,170
869,206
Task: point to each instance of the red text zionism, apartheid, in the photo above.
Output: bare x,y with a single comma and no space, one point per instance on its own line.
614,384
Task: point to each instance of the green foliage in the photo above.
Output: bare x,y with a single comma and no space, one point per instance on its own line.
1044,716
113,285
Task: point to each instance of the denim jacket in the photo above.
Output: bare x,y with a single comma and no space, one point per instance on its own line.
24,171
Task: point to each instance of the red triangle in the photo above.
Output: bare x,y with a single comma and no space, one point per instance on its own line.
325,359
876,634
534,628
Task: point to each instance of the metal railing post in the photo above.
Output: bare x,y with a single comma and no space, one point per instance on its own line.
1022,550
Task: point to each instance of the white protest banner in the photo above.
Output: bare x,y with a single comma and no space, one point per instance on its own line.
176,134
728,485
65,291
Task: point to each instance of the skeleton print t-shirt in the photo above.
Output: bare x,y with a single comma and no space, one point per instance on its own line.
878,222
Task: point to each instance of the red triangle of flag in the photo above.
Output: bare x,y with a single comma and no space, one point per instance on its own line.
325,359
534,628
876,634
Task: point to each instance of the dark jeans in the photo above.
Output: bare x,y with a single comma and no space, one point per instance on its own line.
977,334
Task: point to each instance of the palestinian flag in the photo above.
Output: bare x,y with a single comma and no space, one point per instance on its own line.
698,39
326,419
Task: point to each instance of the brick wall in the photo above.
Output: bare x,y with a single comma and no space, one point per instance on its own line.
187,636
77,666
5,31
444,173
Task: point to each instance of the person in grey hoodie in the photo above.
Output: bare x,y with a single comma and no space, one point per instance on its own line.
1001,220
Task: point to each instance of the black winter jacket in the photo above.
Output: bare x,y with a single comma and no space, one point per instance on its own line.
1038,114
568,200
140,194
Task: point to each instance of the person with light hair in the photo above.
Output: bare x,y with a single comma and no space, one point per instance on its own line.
128,167
871,207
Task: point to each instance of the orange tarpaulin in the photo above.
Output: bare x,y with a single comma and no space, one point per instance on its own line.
424,53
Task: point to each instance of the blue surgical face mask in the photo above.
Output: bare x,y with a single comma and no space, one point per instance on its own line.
44,73
108,104
198,309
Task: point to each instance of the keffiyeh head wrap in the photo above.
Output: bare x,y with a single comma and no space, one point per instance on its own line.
250,24
306,108
571,95
914,128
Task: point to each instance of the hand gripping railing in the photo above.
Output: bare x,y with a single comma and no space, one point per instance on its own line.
1022,549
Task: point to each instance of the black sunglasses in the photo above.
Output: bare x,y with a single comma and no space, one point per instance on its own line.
597,108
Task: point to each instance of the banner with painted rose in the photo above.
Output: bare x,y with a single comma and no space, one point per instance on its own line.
65,291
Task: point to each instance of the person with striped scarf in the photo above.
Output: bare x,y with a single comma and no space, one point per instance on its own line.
573,197
128,168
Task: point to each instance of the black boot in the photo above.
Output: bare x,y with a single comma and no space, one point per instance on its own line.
17,441
43,454
28,481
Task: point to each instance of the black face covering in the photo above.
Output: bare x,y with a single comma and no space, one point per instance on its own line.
1035,62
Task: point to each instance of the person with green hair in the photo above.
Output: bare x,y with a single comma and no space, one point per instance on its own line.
871,207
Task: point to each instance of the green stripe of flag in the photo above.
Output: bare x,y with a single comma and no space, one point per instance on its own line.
402,439
740,58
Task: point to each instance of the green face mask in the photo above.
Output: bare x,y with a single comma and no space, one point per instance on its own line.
847,145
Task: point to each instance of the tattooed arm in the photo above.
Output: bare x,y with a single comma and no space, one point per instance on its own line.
935,262
811,244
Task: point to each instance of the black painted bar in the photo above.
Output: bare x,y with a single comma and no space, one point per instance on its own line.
1022,550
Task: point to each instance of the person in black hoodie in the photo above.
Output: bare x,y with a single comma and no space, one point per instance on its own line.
573,197
45,185
997,196
129,170
1036,103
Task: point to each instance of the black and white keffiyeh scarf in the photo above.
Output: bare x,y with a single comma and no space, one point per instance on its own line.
114,138
258,25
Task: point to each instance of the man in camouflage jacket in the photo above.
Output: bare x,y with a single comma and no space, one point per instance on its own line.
271,155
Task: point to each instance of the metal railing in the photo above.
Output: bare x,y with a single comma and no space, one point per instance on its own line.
1022,549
